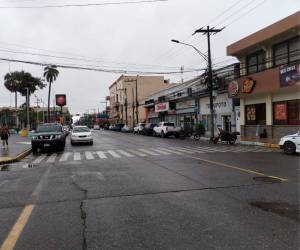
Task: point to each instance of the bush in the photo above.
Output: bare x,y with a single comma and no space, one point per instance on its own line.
199,129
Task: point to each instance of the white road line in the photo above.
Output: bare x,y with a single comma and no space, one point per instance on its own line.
65,156
52,158
207,149
101,154
125,153
160,151
137,153
39,159
148,151
188,151
113,153
3,182
77,156
194,149
89,155
172,151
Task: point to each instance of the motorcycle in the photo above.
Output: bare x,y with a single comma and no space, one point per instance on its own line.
225,136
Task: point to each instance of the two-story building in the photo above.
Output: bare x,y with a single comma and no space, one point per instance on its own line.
269,81
128,95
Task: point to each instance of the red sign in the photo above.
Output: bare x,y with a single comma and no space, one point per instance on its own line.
248,85
60,100
161,107
233,88
280,112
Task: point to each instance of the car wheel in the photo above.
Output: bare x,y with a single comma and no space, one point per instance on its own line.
162,134
176,136
197,137
289,148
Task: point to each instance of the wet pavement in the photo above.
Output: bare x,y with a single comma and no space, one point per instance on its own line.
194,196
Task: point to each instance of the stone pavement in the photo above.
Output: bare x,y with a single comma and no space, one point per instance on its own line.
16,146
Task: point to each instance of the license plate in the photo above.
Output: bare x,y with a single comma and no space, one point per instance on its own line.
46,145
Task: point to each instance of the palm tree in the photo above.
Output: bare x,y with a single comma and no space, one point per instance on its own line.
50,73
11,82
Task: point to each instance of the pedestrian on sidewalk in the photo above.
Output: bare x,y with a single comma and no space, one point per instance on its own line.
4,133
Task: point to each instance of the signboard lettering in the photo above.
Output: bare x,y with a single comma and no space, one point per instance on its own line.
289,75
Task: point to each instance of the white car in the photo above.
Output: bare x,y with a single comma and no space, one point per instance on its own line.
165,129
139,128
290,143
81,134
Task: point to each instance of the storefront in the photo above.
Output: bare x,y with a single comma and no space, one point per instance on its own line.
186,114
224,116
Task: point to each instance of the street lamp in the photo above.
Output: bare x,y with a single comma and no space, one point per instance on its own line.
210,84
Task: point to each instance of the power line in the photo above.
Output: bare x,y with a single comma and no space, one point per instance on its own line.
117,71
81,5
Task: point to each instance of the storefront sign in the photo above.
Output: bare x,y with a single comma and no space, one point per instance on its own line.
233,88
280,111
289,75
248,85
161,107
218,105
60,100
222,104
185,104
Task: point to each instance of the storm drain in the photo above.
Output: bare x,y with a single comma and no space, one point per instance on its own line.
267,179
281,208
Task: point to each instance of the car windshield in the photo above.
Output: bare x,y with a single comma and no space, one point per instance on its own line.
81,129
169,124
48,128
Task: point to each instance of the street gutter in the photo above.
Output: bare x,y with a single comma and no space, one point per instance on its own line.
7,160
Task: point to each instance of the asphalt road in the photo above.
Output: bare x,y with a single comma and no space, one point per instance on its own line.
128,192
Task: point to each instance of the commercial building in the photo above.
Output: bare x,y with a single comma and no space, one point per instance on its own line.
269,81
128,95
187,104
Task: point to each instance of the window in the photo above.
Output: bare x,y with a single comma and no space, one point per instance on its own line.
286,52
286,113
256,62
255,114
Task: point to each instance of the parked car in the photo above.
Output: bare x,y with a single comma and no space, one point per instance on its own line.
96,127
148,129
127,129
139,128
48,135
118,127
165,129
290,143
81,134
111,127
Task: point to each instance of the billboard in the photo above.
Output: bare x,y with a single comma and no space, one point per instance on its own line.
161,107
60,100
289,75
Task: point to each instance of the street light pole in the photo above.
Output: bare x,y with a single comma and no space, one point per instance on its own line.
136,100
27,108
132,107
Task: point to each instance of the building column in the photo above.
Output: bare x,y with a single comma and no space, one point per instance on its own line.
269,115
242,112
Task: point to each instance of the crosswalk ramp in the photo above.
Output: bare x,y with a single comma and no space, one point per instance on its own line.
143,152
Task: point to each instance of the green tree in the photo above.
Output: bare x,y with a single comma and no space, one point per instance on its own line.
50,73
11,83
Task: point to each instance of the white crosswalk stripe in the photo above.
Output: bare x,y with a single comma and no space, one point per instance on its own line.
39,159
101,154
122,152
51,158
172,151
65,156
137,153
160,151
113,154
195,149
188,151
89,155
77,156
148,151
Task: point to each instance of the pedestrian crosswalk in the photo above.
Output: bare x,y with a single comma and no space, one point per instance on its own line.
143,152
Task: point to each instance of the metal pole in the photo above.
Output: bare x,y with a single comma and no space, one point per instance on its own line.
126,112
210,84
132,107
136,100
27,107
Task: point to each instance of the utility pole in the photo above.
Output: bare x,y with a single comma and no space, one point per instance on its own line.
132,107
27,108
126,111
136,100
208,31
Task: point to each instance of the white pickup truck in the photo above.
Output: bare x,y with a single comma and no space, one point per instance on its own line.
165,129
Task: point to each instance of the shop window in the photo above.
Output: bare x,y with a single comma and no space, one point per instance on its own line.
255,114
256,62
287,112
286,52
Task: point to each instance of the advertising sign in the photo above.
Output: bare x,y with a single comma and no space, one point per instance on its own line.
280,112
289,75
248,85
233,88
161,107
60,100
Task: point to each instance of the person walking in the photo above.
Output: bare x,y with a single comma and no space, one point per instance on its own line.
4,133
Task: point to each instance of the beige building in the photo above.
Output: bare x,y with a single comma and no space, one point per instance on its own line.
128,95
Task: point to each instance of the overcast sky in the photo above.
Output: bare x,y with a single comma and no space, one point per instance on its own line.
129,36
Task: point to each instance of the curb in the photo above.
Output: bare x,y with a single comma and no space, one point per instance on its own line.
16,158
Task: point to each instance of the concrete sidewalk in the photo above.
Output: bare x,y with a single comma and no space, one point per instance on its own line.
18,148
